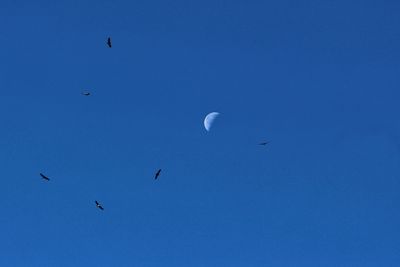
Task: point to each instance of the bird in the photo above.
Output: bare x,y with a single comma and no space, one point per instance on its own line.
157,174
263,143
44,177
86,93
99,205
109,42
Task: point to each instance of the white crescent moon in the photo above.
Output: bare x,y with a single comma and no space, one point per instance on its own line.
209,120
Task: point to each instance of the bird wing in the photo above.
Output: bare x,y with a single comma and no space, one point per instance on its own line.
44,177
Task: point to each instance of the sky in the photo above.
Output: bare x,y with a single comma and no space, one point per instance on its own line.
318,79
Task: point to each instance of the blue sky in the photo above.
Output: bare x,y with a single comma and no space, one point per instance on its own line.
320,79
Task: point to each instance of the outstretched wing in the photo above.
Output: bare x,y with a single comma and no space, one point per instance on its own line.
44,177
99,205
157,174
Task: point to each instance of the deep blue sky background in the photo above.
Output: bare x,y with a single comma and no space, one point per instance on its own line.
320,79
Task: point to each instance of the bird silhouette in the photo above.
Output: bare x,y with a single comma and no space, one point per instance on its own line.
109,42
99,205
264,143
44,177
157,174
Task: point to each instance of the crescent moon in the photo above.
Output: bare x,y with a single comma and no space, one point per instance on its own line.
209,120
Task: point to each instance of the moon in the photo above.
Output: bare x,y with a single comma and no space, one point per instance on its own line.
209,120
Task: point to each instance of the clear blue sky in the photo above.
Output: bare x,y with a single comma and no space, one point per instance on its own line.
320,79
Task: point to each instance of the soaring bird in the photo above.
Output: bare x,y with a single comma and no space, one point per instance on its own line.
157,174
264,143
99,205
109,42
86,93
44,177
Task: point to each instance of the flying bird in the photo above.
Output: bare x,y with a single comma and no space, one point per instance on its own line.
44,177
109,42
99,205
86,93
264,143
157,174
